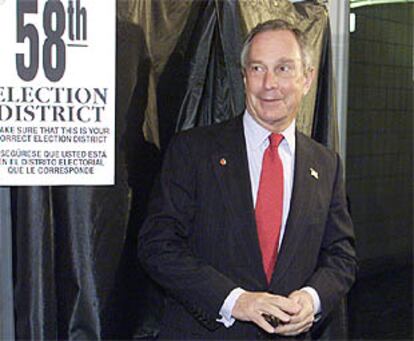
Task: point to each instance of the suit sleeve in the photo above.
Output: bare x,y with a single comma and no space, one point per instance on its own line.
337,264
163,245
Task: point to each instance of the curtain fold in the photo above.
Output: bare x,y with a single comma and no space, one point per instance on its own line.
200,82
34,264
325,122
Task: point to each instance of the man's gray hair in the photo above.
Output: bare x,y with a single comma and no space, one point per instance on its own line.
277,25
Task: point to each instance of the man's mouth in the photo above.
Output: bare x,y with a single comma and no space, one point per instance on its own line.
270,99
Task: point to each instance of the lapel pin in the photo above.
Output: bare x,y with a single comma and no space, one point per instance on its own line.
223,161
314,173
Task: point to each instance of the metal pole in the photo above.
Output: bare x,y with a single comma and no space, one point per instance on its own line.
6,270
339,19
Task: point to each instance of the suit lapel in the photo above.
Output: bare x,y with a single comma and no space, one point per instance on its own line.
232,172
303,188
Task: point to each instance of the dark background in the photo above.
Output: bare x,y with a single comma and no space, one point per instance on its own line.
380,170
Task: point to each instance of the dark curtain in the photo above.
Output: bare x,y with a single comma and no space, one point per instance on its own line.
195,68
75,269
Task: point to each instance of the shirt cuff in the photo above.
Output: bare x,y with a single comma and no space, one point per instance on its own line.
317,309
226,309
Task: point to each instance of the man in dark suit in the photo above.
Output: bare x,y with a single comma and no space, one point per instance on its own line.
249,232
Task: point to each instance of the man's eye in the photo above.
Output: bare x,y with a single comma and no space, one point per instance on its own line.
285,68
256,68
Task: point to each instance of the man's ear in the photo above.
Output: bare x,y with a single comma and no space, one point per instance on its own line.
309,77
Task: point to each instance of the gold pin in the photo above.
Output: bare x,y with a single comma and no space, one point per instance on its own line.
314,173
223,162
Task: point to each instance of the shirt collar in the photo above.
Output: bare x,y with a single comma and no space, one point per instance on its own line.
257,135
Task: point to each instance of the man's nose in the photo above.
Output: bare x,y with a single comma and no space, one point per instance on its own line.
270,80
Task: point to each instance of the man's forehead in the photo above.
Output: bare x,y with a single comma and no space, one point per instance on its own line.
277,43
277,60
278,36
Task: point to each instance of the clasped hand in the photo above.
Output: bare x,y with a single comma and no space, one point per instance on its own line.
294,312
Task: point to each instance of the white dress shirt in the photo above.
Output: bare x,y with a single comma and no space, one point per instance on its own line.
257,140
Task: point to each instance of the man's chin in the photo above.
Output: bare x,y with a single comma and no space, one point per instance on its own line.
273,118
275,123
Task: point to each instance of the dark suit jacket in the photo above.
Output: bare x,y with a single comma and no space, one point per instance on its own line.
200,242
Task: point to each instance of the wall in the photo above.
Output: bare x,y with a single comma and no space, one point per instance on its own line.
380,134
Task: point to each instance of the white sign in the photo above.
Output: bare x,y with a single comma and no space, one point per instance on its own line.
57,92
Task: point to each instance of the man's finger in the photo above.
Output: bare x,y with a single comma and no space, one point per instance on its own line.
296,326
273,312
262,323
288,305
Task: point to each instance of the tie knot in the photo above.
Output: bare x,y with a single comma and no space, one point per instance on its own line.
275,139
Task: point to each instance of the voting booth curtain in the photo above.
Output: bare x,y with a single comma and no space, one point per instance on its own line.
76,275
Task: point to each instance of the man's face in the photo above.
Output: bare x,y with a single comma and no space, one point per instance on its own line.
274,79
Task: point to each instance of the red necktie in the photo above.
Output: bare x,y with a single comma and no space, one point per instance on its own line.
269,205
